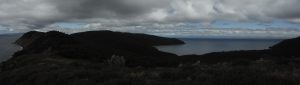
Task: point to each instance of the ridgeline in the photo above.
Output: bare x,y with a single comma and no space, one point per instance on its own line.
118,58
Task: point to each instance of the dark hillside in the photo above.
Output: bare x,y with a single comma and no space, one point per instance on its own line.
116,58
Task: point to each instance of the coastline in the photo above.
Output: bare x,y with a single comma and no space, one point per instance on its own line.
91,58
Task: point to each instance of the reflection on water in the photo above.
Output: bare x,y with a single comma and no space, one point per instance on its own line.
202,46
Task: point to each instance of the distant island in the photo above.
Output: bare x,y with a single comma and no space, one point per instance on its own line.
119,58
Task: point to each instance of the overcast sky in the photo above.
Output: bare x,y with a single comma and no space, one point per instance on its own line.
233,18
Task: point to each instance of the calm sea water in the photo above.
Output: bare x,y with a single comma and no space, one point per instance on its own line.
7,48
202,46
192,46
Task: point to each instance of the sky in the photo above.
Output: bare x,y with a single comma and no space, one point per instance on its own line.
174,18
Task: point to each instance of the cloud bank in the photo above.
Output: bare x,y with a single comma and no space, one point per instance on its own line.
37,14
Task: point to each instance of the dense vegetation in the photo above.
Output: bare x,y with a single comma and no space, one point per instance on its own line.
56,71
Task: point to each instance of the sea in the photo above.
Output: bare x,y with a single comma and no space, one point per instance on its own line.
201,46
7,48
192,45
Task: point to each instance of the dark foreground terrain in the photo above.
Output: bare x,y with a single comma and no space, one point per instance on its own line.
115,58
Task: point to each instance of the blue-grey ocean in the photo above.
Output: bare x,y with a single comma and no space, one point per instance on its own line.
7,48
192,46
202,46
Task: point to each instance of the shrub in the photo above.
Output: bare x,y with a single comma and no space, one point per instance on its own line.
116,60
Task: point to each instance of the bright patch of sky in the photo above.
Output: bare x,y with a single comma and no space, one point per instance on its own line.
5,30
69,25
216,29
216,24
255,25
2,28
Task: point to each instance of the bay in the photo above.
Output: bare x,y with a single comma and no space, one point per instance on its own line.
201,45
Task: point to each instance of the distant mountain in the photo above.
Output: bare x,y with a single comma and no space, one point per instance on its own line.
108,36
137,49
96,46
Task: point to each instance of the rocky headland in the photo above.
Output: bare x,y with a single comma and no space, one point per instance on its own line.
118,58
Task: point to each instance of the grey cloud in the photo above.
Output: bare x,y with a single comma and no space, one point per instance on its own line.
41,13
